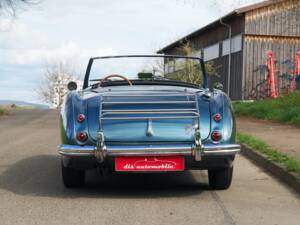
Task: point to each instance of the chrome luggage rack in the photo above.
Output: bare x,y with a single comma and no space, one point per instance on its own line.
145,107
185,109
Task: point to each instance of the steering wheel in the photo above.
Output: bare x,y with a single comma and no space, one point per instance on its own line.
114,75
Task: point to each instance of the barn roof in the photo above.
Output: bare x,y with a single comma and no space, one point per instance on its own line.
216,22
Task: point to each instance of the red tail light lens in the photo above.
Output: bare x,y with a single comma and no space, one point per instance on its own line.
80,118
216,136
82,136
217,117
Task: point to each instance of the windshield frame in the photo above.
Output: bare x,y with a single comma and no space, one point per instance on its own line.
91,60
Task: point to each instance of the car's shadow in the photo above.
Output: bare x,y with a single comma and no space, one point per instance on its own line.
40,176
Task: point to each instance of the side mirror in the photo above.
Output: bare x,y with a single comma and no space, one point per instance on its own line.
72,86
218,86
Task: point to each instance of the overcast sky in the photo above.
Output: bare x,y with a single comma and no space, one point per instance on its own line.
74,30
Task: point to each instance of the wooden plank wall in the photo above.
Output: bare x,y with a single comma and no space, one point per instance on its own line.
280,19
221,65
275,27
255,54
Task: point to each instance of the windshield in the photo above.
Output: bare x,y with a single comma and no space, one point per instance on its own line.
186,69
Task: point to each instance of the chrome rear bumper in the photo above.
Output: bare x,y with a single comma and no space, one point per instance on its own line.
149,150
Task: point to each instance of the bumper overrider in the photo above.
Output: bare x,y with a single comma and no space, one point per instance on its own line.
102,150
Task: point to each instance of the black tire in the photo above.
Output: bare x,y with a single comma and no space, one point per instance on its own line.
72,178
220,179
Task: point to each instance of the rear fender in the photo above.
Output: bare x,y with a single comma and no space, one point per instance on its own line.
73,106
220,103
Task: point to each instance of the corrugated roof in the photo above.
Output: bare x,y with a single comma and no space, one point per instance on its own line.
227,16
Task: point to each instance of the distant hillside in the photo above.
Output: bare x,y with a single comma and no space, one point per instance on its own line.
23,104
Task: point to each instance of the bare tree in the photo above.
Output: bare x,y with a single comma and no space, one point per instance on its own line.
10,6
53,87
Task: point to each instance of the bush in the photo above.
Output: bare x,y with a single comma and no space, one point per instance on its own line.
284,109
3,111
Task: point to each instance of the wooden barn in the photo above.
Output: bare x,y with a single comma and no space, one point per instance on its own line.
237,45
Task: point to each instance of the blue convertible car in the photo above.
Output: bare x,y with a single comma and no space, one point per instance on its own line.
147,113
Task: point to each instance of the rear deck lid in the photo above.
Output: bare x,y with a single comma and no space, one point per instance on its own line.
151,117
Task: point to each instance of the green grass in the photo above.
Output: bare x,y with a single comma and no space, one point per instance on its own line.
289,163
285,109
18,107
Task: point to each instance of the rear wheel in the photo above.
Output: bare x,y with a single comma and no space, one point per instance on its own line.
72,178
220,179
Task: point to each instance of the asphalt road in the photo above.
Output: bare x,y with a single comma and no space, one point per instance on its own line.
31,191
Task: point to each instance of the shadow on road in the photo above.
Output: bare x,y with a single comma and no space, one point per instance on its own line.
40,176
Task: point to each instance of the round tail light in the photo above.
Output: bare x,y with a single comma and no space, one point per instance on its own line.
216,136
217,117
82,136
80,118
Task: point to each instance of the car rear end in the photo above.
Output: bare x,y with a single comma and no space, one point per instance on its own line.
152,131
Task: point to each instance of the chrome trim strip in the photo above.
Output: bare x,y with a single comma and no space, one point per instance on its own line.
221,152
150,102
221,147
76,150
148,110
149,150
148,117
224,149
149,95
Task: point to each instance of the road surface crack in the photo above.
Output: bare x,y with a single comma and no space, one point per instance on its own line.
227,217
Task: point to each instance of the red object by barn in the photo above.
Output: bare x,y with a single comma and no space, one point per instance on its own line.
271,75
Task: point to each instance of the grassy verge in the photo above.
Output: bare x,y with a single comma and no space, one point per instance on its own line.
290,164
285,109
18,107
